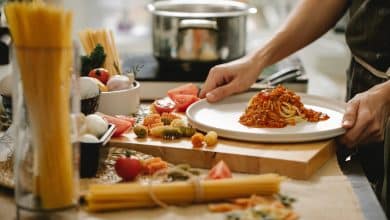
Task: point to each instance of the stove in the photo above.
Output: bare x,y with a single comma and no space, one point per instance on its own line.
157,78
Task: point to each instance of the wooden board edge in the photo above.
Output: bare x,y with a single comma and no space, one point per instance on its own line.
237,163
318,160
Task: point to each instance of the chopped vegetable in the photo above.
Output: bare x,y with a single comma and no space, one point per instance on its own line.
94,60
183,101
127,118
141,131
153,165
121,125
186,89
219,171
211,138
197,140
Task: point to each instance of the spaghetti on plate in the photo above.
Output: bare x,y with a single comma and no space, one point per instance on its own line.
277,108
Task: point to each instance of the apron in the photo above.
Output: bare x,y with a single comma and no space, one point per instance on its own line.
370,155
368,37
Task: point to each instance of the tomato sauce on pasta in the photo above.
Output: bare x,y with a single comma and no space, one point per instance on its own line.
277,108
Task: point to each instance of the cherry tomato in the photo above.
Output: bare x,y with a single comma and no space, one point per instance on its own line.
164,105
128,168
101,74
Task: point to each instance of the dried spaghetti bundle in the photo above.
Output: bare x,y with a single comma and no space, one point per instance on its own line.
43,47
277,108
91,38
103,197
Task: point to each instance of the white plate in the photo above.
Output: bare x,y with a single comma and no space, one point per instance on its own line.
223,117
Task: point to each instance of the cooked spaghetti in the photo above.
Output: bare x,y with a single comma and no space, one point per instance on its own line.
278,108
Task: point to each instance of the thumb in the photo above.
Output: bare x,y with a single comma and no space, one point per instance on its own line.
350,115
220,93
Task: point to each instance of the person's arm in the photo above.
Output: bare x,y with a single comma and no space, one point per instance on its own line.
308,21
365,116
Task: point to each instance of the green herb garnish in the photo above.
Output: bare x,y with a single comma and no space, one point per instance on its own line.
94,60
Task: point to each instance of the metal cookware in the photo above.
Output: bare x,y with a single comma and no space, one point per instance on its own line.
199,32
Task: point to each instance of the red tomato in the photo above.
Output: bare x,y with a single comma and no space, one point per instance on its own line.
164,105
128,168
127,118
186,89
183,101
219,171
121,125
101,74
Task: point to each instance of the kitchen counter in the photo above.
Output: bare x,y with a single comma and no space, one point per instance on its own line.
326,195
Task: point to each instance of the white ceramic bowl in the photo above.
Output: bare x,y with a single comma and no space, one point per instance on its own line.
121,102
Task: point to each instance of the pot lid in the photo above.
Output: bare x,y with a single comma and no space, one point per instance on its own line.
200,9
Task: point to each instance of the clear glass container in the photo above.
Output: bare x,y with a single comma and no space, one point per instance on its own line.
45,99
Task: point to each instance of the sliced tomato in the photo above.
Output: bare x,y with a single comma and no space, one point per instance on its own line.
127,118
121,125
164,105
183,101
186,89
219,171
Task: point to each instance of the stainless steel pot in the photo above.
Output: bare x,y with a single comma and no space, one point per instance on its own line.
199,31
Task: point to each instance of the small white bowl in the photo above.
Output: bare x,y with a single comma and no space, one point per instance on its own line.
121,102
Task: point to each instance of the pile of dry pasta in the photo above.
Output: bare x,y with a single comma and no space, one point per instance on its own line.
90,38
43,48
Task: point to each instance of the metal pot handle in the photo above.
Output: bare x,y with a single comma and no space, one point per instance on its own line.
198,23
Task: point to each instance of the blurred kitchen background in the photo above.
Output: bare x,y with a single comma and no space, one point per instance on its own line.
325,61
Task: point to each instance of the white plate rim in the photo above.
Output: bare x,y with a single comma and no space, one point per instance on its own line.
272,138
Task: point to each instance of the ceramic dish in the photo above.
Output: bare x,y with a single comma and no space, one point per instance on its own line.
223,117
121,102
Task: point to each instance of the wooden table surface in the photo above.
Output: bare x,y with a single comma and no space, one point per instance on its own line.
309,193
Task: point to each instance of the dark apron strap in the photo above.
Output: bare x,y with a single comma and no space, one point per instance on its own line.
386,190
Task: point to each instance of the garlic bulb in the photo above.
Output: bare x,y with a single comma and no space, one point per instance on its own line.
118,82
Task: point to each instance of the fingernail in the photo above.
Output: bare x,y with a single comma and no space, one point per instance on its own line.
210,96
347,123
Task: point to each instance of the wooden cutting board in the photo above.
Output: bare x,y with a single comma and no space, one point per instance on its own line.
298,160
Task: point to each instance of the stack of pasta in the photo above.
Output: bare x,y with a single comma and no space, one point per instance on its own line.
91,38
277,108
43,48
103,197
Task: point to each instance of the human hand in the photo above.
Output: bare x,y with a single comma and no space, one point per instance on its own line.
366,115
230,78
